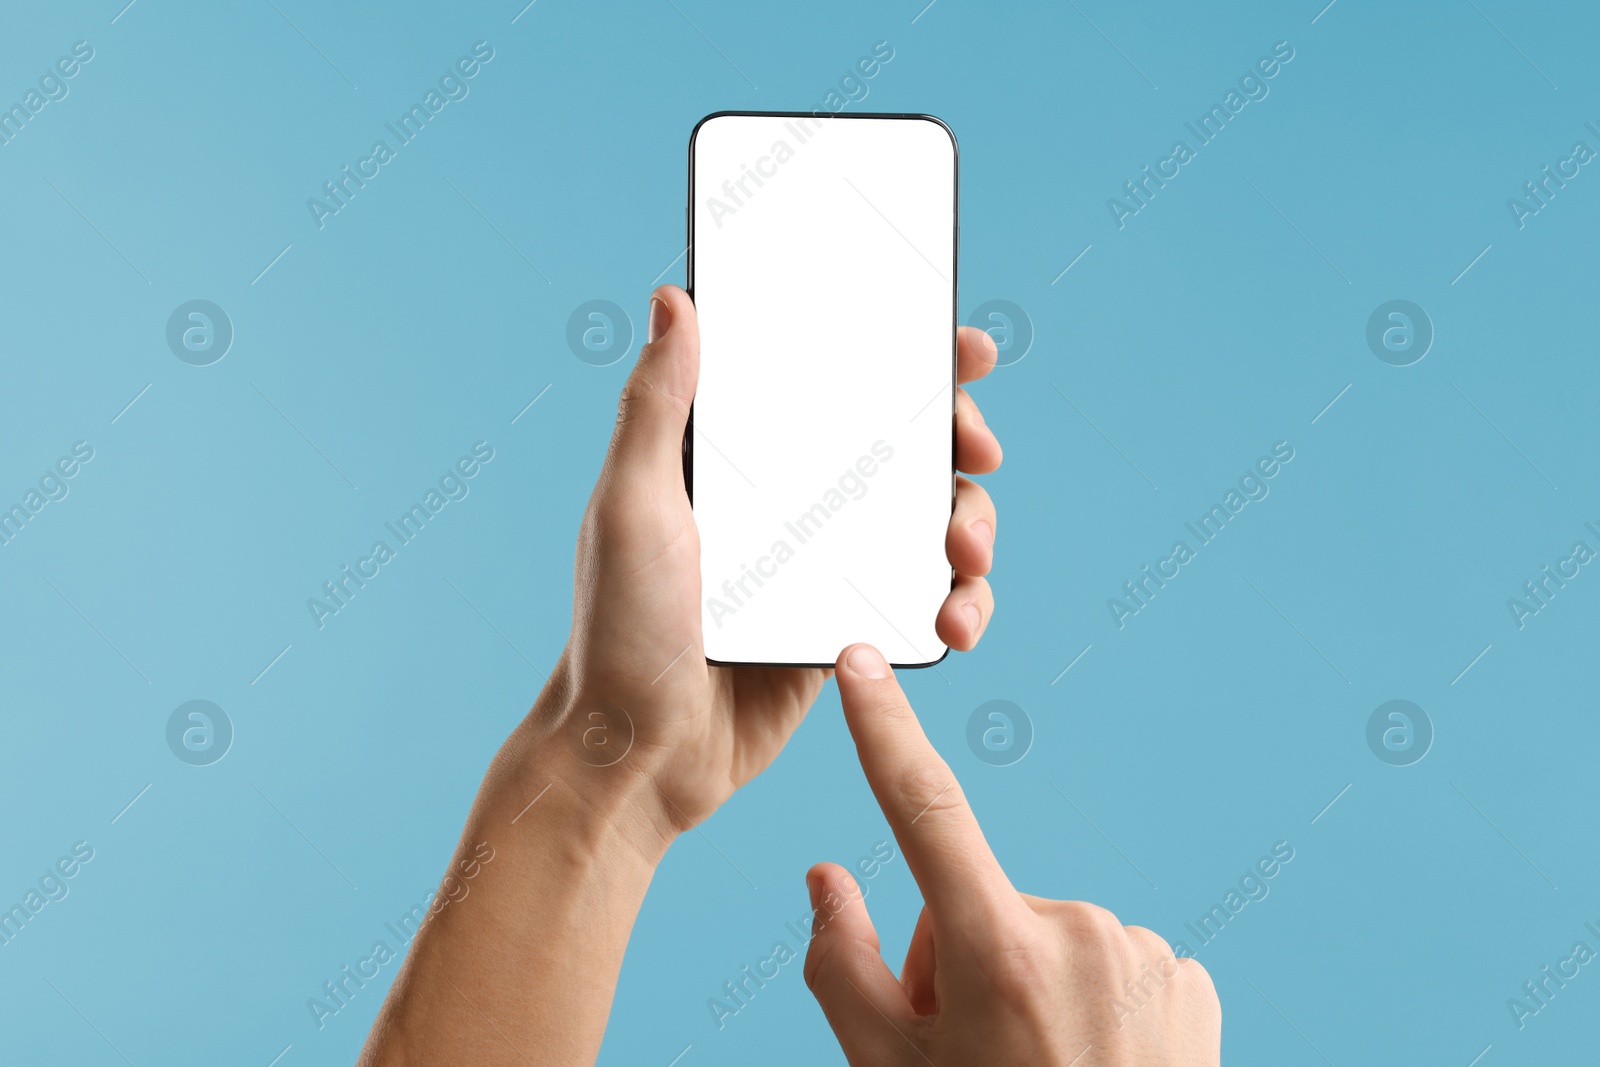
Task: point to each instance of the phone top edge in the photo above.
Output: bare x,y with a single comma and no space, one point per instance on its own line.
955,145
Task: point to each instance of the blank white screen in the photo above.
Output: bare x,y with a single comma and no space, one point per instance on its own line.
823,267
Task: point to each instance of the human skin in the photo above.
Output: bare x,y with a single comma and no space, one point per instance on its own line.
992,976
633,741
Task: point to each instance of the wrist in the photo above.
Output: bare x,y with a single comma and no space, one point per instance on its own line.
574,757
533,917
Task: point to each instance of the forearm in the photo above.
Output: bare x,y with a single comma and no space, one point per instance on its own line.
521,966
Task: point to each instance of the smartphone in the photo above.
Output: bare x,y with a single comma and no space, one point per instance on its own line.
820,449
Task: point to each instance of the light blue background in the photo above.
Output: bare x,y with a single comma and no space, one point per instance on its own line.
1212,326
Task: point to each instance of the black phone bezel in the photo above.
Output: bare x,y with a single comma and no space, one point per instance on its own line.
955,282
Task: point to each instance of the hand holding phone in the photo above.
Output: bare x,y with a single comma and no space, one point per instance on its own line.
635,658
635,678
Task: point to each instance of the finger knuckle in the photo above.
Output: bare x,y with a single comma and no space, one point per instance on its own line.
891,709
630,399
836,955
1150,944
1019,970
928,790
817,959
1092,929
1193,973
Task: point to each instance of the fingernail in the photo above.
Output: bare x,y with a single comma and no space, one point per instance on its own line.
973,616
813,887
984,531
660,317
868,662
